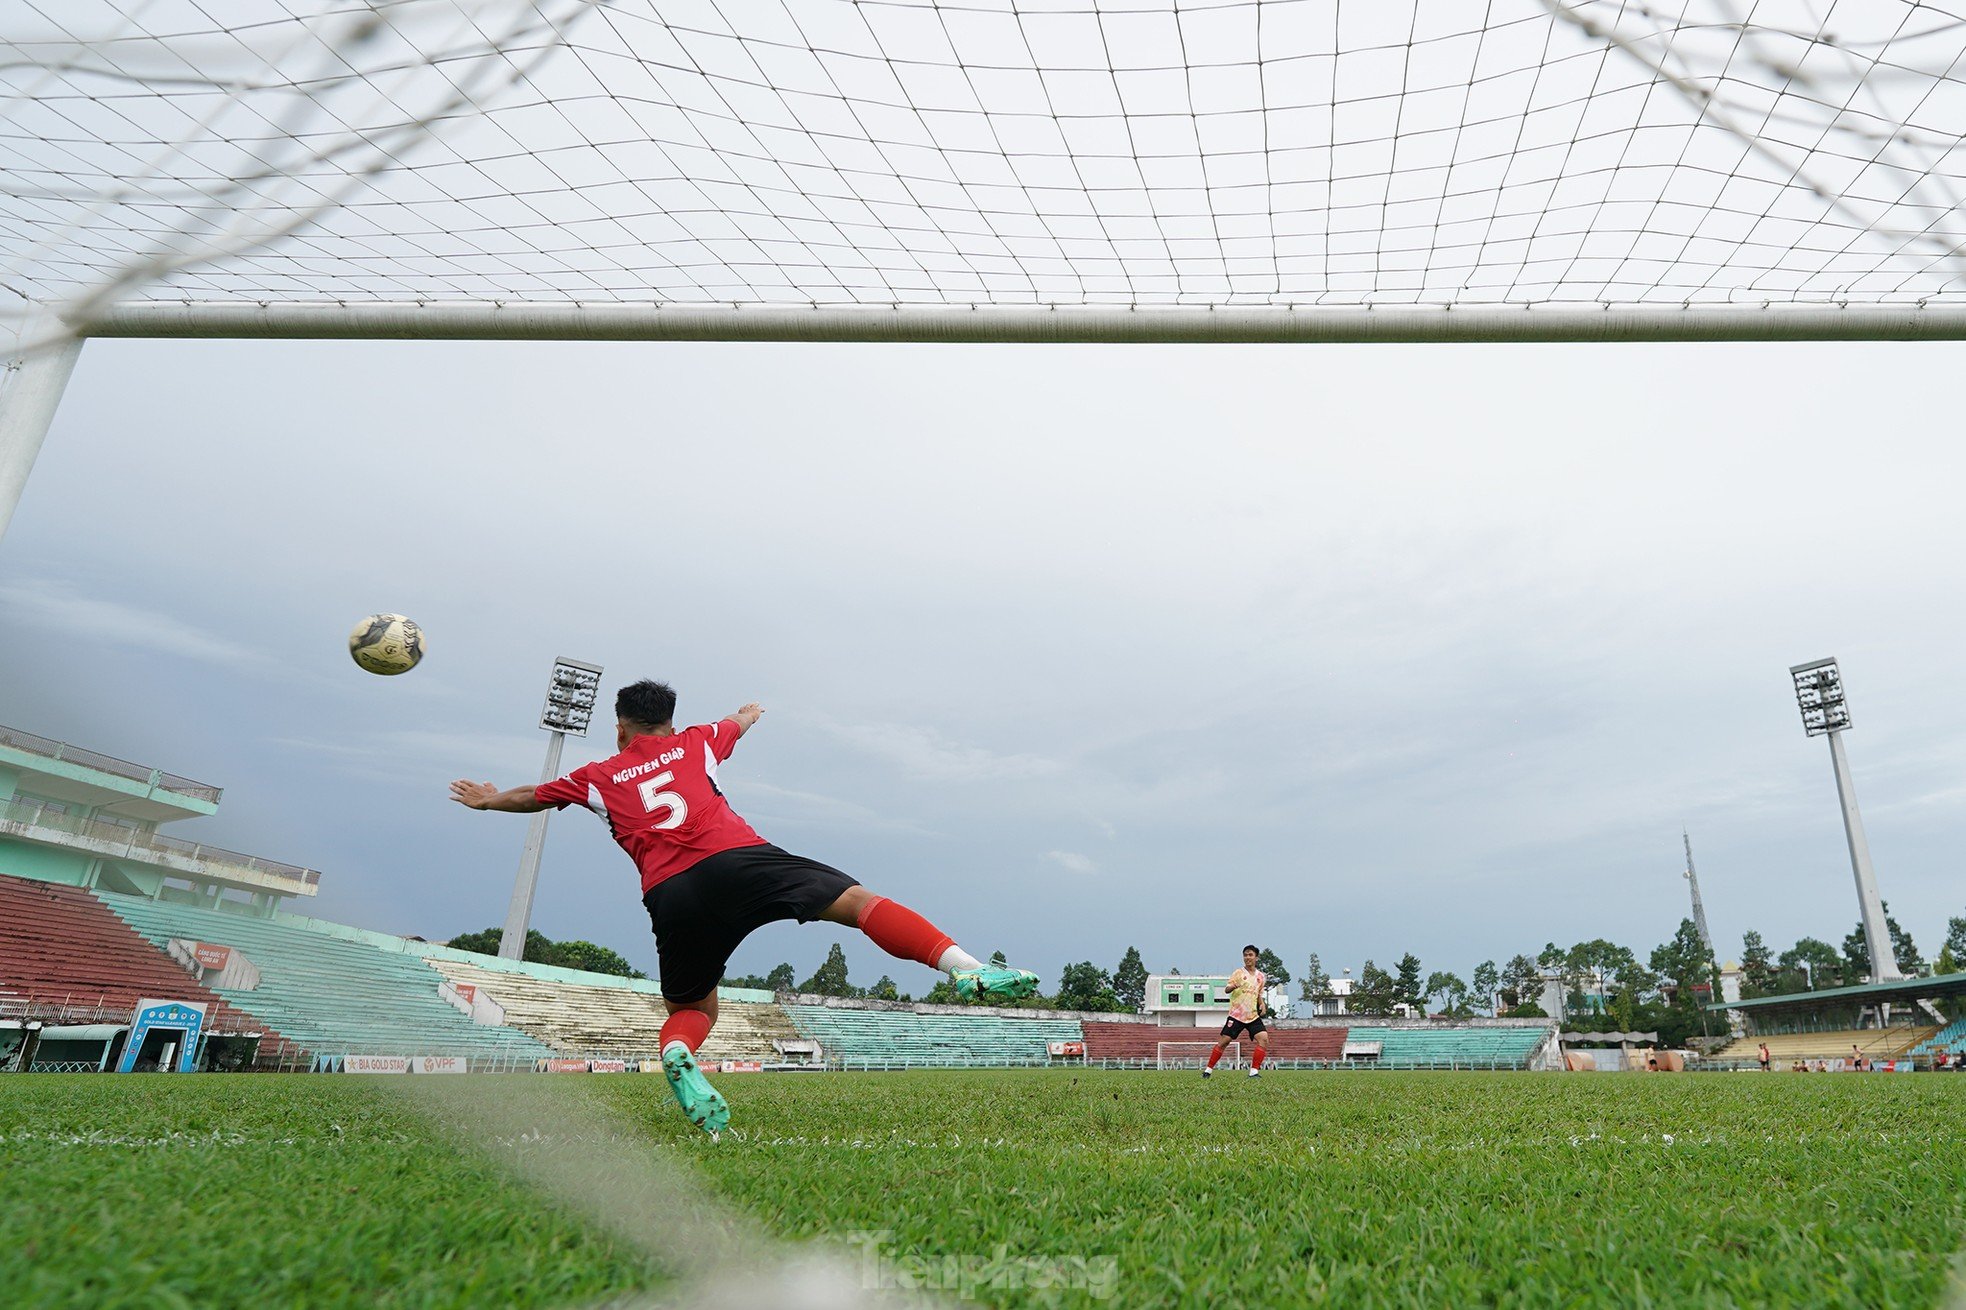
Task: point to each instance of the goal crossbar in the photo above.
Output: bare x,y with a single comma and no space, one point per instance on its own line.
560,321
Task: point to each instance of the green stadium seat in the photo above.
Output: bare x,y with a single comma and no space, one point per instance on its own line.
875,1038
1461,1048
331,995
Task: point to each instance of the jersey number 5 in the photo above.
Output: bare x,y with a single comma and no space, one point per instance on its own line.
654,798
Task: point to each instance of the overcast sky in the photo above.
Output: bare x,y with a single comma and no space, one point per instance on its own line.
1355,650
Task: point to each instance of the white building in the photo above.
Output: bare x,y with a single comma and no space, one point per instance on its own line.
1180,1000
1338,1001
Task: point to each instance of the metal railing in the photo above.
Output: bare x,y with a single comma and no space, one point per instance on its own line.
35,816
60,750
1149,1064
70,1007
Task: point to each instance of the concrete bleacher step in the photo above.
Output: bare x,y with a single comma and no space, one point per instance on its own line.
600,1018
1876,1044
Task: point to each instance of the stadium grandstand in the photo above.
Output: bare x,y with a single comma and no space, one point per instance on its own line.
1899,1023
101,915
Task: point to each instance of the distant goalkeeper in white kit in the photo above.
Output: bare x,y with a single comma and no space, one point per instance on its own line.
1246,1008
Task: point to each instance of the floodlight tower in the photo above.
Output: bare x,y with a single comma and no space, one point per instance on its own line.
1825,713
569,708
1699,910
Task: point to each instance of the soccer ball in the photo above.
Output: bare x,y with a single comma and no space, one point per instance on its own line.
386,644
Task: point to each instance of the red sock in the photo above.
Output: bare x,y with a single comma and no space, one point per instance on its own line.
904,934
689,1027
1213,1056
1256,1060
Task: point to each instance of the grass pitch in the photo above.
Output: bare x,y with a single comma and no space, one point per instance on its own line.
1022,1189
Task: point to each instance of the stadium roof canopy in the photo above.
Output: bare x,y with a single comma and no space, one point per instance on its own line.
986,169
1905,989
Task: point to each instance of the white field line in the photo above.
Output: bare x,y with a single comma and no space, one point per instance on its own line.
587,1157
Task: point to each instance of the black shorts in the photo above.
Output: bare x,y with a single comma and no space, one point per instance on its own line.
1236,1027
701,914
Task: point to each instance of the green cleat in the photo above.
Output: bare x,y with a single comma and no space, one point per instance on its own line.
991,983
702,1104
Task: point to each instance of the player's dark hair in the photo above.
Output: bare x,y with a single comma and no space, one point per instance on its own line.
1252,948
648,702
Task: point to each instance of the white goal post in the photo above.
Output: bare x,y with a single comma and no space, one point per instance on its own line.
1301,171
1193,1055
1243,170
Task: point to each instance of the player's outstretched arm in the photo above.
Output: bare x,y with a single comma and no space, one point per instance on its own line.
747,716
484,796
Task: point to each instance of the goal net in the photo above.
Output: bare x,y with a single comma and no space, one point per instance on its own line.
167,170
1193,1055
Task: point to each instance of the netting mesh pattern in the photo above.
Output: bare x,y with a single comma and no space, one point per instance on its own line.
1003,152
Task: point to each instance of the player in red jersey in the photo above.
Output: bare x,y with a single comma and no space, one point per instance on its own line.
709,880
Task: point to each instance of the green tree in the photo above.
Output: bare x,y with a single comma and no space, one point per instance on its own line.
944,993
883,990
1856,950
1686,960
1691,970
1316,984
1452,991
594,959
1086,986
1406,987
1757,967
830,978
541,949
1589,971
1632,983
1481,988
1855,962
1130,980
1810,964
1374,993
780,978
1947,962
1910,962
1956,937
538,946
1521,983
482,943
1272,967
